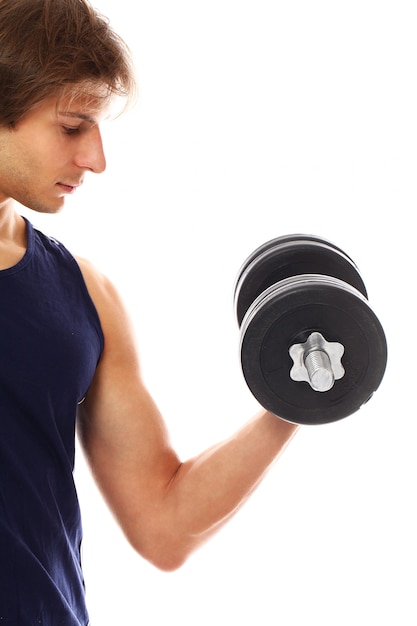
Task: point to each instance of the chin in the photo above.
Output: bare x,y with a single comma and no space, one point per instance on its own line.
50,209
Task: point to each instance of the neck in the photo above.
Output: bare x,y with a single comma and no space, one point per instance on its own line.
12,236
10,220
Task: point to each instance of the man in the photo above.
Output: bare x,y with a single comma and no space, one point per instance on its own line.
67,349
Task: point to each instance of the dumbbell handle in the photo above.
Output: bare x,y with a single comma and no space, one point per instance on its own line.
317,362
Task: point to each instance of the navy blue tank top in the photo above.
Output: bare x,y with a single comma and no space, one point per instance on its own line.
50,343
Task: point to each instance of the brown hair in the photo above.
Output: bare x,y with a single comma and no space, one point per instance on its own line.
47,46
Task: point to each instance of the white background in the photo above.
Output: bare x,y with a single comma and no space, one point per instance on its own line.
257,119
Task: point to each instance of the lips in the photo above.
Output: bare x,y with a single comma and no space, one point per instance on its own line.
68,188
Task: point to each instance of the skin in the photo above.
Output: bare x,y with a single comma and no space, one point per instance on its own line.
167,508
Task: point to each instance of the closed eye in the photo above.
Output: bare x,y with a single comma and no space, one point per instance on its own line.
70,130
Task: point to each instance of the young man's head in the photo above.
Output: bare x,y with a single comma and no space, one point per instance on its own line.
49,48
60,66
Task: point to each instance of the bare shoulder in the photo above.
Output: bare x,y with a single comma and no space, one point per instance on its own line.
113,315
98,284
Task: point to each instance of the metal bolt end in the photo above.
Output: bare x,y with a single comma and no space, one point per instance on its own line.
320,373
317,362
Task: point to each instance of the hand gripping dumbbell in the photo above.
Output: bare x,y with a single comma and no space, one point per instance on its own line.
312,350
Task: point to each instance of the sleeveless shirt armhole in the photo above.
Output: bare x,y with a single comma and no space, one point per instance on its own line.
89,300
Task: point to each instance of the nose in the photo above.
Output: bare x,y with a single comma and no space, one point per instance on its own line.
90,152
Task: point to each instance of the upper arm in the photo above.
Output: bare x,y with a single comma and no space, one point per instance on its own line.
120,427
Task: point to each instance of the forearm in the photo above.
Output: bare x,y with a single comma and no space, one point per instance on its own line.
207,490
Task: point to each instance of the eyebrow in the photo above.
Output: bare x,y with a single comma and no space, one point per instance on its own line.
80,116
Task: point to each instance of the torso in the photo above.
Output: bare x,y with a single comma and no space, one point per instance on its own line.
50,344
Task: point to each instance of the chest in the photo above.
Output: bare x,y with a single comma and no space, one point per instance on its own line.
49,333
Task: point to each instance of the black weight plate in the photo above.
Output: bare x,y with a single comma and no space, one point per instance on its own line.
272,243
286,314
289,256
266,247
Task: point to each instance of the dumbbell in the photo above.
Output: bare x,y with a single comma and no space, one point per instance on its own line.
312,350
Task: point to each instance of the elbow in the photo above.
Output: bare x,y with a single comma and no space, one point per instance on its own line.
167,556
169,564
167,560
